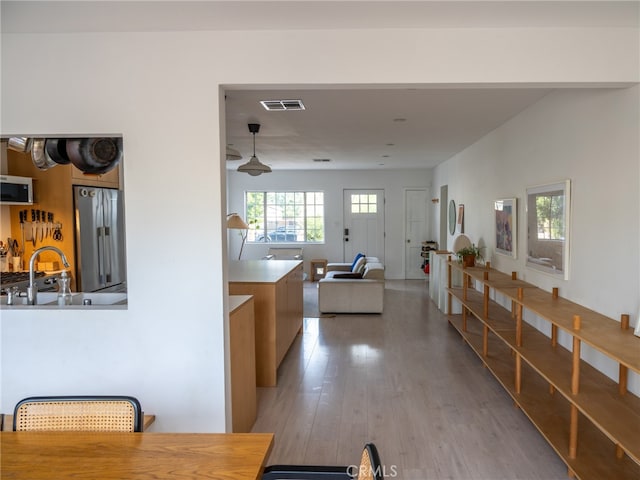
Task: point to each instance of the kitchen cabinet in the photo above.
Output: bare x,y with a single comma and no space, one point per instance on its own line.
591,421
289,316
242,362
276,286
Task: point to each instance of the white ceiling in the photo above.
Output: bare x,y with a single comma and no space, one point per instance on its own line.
363,128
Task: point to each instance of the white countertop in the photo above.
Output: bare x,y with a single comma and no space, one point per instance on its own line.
260,271
48,301
236,301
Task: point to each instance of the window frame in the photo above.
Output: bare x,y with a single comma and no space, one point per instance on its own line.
299,223
549,255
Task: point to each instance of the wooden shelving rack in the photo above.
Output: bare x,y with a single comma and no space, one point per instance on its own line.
591,421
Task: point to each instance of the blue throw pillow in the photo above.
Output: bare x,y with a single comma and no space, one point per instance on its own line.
355,260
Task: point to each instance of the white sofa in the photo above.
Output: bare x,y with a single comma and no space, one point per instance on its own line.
352,295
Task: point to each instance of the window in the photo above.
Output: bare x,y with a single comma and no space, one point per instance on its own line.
285,217
550,216
364,203
548,228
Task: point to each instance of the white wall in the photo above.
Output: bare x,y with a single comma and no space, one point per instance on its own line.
591,137
333,183
160,90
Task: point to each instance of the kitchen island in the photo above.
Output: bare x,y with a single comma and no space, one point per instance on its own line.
276,286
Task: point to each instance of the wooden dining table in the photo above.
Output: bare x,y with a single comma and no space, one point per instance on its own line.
134,456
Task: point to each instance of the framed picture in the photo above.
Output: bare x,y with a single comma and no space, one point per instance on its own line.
505,214
548,222
461,218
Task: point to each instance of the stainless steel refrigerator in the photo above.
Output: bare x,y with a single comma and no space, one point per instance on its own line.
100,240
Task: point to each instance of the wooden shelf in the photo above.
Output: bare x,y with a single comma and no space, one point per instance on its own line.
597,330
550,413
599,400
590,420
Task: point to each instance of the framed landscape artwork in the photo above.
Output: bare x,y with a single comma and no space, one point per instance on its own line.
505,211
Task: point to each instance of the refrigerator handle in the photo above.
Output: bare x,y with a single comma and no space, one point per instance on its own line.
101,273
107,254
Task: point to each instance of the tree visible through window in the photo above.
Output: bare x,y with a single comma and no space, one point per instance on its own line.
285,217
550,216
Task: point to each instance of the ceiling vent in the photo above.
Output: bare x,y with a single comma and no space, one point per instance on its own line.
321,160
279,105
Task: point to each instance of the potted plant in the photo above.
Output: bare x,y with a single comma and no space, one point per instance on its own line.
468,255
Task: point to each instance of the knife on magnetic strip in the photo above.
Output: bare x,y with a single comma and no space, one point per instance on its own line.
33,227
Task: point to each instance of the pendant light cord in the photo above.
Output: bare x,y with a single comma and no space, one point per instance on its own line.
254,144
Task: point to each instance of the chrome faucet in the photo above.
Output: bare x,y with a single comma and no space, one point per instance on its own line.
32,289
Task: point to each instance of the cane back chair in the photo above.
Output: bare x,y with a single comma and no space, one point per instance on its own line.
370,468
78,413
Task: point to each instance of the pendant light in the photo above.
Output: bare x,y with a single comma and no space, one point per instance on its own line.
253,167
233,154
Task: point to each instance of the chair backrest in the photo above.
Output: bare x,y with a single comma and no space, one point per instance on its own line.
78,413
370,466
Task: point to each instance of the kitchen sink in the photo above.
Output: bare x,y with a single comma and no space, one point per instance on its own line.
51,299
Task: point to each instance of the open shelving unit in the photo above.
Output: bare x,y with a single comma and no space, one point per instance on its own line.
591,421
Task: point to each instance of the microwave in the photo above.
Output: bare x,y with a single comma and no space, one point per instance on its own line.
16,190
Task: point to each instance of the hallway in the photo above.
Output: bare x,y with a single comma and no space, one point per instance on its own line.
405,381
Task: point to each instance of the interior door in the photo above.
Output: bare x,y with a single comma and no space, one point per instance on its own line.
363,223
444,204
415,231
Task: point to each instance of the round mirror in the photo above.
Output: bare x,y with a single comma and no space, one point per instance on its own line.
452,217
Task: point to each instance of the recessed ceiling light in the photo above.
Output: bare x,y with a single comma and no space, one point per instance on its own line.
280,105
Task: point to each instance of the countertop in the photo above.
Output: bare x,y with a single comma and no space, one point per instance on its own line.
260,271
48,301
236,301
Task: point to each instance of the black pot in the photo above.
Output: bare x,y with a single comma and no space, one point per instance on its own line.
56,149
95,155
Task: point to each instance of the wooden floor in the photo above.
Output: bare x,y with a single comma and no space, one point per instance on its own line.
405,381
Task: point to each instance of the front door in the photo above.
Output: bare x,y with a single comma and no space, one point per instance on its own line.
363,223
